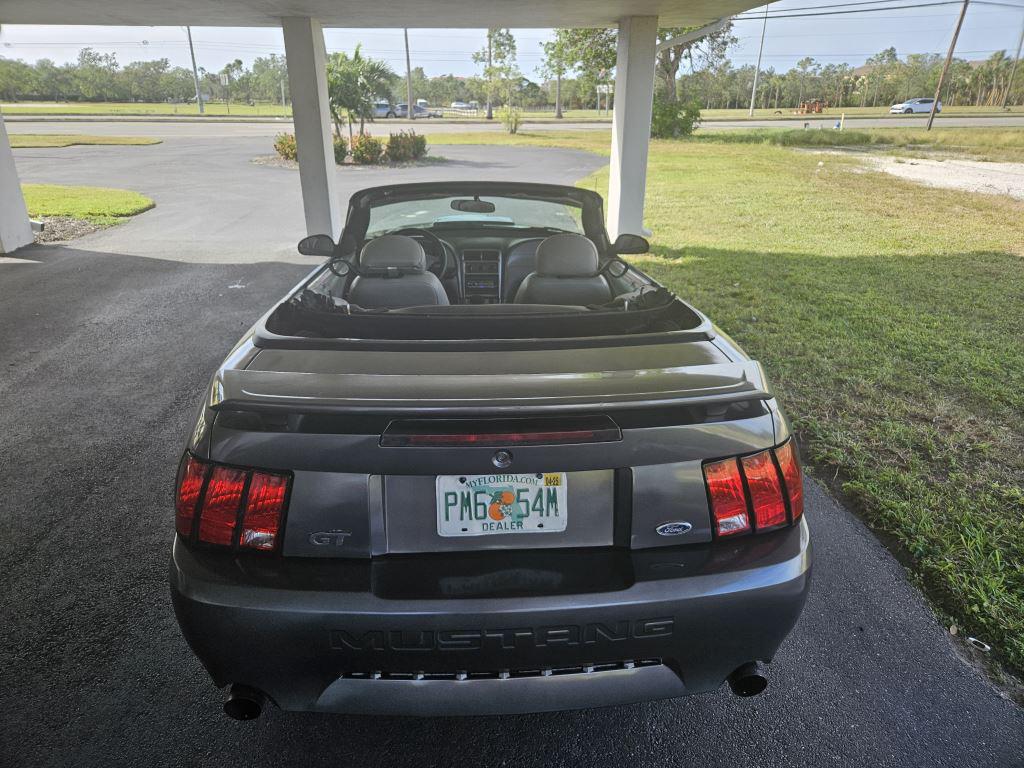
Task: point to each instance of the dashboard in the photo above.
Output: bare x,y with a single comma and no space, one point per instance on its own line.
481,268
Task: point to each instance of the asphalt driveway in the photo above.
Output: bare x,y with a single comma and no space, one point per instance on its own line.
108,344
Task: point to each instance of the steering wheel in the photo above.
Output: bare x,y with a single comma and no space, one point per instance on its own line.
443,267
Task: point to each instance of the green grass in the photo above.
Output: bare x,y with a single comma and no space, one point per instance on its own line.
888,316
213,109
97,205
1002,144
34,140
985,143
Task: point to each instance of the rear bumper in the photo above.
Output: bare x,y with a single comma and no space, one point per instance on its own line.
493,633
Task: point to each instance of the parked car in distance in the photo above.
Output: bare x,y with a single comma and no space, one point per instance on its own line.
460,105
383,109
476,464
912,106
402,110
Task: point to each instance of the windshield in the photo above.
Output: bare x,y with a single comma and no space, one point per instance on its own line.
508,212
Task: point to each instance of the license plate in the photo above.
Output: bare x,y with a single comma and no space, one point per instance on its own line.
480,505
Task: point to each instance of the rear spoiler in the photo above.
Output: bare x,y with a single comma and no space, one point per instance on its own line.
719,383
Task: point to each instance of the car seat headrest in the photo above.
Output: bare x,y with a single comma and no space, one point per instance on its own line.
567,255
392,252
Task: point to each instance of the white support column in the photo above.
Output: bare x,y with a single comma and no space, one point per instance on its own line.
15,229
307,79
631,124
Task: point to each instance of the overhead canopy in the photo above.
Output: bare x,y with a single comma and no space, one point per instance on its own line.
359,13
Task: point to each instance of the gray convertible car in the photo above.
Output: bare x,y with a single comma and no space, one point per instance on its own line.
476,463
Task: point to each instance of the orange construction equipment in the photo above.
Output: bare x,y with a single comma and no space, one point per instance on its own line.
812,107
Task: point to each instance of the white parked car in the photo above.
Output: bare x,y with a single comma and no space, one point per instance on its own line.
460,105
910,106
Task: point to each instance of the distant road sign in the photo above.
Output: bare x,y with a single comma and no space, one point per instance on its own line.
604,88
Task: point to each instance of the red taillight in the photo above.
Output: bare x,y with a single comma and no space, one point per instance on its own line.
728,500
221,505
190,485
789,463
758,485
234,506
765,490
263,508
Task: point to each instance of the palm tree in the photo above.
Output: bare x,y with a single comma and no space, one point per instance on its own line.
354,83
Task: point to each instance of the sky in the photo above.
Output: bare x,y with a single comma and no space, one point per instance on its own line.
848,38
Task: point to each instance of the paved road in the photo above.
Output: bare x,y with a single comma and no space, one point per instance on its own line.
196,128
215,204
105,355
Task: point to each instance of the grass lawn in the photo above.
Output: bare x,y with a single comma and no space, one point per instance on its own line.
1001,144
96,205
889,316
34,140
212,109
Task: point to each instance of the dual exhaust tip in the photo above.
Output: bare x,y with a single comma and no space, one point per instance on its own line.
749,679
245,703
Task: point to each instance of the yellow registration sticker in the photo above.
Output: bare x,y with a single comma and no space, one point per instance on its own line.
552,479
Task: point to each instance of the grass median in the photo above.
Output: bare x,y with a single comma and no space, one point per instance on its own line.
889,317
43,140
98,206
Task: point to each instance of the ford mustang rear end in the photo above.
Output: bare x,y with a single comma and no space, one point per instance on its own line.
481,507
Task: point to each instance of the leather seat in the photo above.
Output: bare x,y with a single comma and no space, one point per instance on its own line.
393,274
566,274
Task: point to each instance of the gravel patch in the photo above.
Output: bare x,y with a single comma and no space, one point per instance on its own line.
58,229
967,175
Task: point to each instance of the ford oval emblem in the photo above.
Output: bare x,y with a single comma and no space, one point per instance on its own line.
675,528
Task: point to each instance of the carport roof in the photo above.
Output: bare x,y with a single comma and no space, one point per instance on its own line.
360,13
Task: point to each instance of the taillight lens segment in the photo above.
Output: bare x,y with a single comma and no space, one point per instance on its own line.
234,507
728,499
789,463
759,492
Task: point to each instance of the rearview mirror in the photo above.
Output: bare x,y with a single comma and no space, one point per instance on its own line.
631,244
476,205
316,245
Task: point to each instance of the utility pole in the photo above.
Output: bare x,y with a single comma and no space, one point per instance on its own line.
757,69
282,92
490,74
945,67
195,72
411,112
1013,70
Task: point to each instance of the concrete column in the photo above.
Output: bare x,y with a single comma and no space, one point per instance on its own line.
631,124
307,78
15,229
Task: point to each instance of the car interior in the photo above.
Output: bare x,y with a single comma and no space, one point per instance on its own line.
396,271
418,268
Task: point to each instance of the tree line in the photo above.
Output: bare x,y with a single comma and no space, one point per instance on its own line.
96,76
576,62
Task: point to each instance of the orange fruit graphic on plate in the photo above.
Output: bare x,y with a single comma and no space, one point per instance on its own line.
499,502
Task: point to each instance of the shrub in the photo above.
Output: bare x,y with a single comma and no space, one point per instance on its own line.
511,118
340,149
405,146
670,119
366,150
284,143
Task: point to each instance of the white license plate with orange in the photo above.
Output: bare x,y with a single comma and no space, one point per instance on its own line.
484,505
